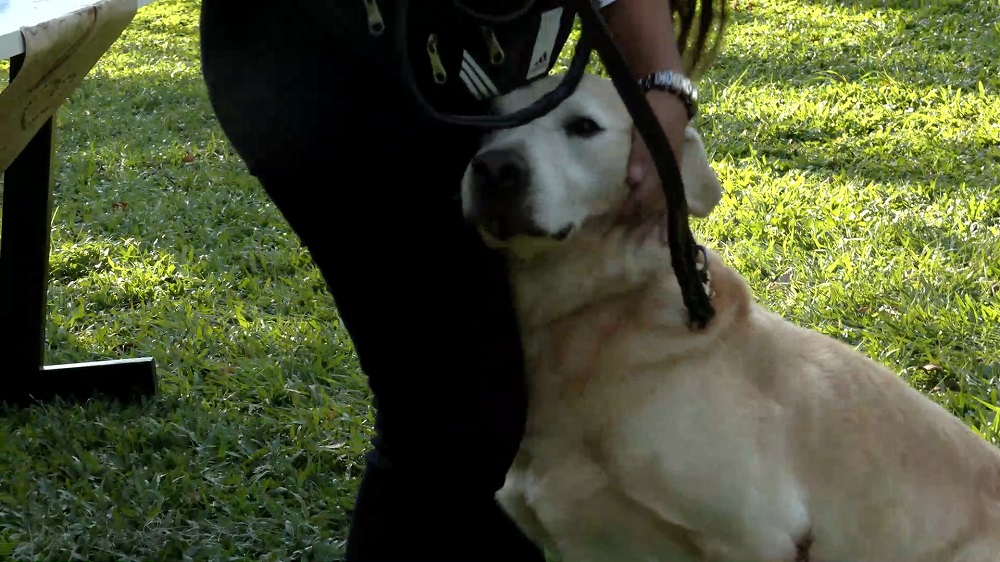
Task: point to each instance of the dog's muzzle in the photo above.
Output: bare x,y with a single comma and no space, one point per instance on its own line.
500,182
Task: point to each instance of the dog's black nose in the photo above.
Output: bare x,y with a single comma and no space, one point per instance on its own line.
502,173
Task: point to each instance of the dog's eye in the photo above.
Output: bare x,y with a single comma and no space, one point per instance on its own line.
582,127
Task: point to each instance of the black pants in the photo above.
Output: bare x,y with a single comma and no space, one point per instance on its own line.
315,107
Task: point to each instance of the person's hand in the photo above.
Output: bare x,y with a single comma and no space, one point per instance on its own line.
647,192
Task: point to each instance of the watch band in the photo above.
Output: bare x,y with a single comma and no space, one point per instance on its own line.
675,83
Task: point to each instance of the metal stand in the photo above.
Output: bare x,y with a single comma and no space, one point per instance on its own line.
24,268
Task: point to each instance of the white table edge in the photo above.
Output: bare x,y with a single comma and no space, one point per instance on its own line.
12,42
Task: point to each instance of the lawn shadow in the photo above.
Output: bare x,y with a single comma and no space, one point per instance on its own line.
958,53
864,5
851,63
795,146
887,77
179,477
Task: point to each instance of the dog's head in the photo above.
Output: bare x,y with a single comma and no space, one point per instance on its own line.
537,185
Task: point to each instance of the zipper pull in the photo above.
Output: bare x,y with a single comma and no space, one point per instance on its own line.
440,75
375,23
497,55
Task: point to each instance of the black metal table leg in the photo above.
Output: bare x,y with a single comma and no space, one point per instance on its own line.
24,267
24,247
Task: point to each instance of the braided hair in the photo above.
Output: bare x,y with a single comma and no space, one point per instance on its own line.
712,15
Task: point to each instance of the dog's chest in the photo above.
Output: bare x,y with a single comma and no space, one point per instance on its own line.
559,485
565,500
615,464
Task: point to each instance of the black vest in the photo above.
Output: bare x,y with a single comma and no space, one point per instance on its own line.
456,56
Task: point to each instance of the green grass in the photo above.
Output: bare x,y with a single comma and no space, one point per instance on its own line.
859,147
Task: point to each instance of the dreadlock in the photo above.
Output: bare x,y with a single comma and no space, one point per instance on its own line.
713,15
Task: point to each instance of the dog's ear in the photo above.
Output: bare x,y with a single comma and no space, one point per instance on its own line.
701,186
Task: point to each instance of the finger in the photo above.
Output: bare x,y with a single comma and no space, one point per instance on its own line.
639,160
636,173
633,176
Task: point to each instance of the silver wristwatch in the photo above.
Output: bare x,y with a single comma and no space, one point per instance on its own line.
675,83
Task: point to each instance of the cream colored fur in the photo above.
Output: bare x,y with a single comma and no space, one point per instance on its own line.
751,441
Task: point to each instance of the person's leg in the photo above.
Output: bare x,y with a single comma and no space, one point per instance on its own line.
369,184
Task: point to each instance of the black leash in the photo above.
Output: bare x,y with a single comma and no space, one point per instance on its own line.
683,247
594,35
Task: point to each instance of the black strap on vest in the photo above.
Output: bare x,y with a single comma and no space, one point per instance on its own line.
594,35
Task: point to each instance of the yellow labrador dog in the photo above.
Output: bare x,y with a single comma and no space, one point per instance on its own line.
751,441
